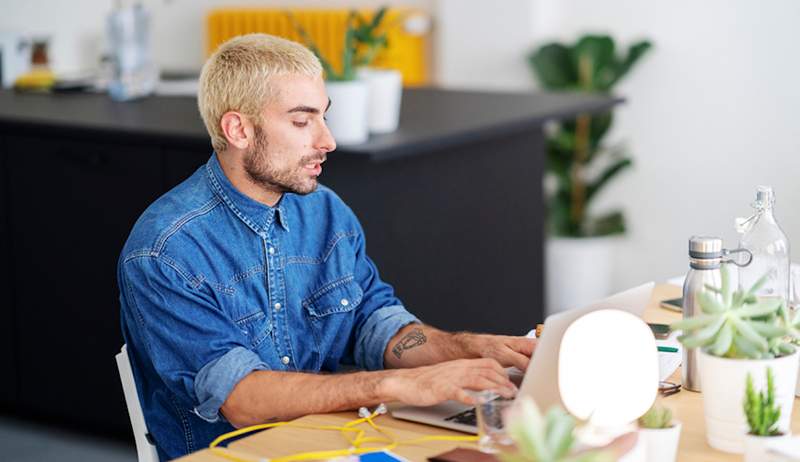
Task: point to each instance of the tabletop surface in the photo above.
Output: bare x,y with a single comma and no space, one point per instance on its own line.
686,405
430,118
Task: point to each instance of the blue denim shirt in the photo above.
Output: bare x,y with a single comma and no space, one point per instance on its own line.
214,285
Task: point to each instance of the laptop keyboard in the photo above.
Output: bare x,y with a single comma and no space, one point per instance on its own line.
467,417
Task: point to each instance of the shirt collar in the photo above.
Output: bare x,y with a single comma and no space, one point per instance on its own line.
257,216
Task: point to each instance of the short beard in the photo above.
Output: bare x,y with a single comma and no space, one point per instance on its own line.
262,171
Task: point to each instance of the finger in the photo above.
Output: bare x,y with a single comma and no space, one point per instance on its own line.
460,394
520,361
500,378
493,364
523,345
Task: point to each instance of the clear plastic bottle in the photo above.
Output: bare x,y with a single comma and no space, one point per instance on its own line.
134,72
764,238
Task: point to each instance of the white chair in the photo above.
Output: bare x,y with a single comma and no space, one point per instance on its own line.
144,447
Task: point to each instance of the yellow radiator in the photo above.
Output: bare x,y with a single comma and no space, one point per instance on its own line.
405,52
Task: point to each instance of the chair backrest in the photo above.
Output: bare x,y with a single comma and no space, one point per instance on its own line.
144,447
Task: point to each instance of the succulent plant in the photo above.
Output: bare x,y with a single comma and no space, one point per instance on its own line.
547,438
656,417
737,324
760,409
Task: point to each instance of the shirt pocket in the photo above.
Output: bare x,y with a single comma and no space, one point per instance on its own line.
339,296
256,326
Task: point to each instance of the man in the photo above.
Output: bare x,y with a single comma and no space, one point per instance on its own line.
243,283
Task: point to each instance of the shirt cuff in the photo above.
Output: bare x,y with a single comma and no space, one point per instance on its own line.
379,328
215,381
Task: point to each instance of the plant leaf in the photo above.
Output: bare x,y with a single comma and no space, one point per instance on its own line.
762,308
750,334
724,340
768,329
553,67
745,348
608,174
693,323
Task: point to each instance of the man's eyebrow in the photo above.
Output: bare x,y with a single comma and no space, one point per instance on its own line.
309,109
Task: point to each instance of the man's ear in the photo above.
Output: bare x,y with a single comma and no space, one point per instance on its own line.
237,129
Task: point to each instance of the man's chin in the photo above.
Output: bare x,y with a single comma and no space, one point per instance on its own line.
306,188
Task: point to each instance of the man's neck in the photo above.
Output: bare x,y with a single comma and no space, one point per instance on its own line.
233,167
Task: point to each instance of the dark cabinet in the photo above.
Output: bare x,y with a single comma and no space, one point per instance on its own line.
73,204
8,385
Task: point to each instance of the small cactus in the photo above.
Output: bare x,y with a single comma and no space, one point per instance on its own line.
656,417
760,409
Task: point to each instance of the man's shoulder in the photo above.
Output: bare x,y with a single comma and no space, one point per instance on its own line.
190,200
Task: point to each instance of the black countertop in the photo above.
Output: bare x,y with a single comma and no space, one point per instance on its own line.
430,118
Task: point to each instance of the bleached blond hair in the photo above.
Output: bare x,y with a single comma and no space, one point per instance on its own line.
238,77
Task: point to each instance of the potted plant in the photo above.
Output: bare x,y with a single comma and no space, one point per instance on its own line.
551,438
737,334
385,85
660,434
347,116
578,167
762,419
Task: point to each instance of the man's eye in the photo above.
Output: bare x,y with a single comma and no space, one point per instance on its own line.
300,124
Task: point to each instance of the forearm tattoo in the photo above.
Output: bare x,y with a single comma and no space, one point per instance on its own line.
412,339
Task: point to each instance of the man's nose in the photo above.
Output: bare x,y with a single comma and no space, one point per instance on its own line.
325,142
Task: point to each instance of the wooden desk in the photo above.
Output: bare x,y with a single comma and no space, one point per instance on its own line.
687,406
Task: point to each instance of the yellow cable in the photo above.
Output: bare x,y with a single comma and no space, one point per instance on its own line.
355,444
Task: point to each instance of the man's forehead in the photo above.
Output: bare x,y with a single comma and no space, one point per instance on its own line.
299,90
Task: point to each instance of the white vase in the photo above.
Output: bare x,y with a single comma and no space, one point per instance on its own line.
578,271
347,116
723,382
385,95
755,447
661,443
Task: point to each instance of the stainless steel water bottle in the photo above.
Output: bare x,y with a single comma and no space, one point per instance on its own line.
705,255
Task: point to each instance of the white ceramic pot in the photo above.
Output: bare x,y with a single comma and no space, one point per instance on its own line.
661,443
578,271
347,117
723,382
755,447
385,94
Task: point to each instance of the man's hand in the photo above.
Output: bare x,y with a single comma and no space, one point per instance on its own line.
507,350
429,385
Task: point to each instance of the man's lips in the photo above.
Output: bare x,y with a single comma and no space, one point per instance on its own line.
315,167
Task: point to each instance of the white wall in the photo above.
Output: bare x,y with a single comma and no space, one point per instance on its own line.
77,28
482,45
712,112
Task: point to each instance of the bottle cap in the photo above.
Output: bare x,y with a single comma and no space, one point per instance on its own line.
765,197
705,247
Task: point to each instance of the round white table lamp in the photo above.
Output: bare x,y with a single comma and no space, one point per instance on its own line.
608,368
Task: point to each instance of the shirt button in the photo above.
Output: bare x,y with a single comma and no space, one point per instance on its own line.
271,250
285,360
344,302
277,306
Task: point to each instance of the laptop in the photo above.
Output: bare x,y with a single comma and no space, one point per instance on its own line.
540,381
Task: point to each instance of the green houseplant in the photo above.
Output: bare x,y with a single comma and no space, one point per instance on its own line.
347,117
385,85
737,335
579,165
590,65
660,433
545,438
762,413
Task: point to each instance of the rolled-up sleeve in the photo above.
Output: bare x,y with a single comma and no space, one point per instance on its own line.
381,314
197,351
374,335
